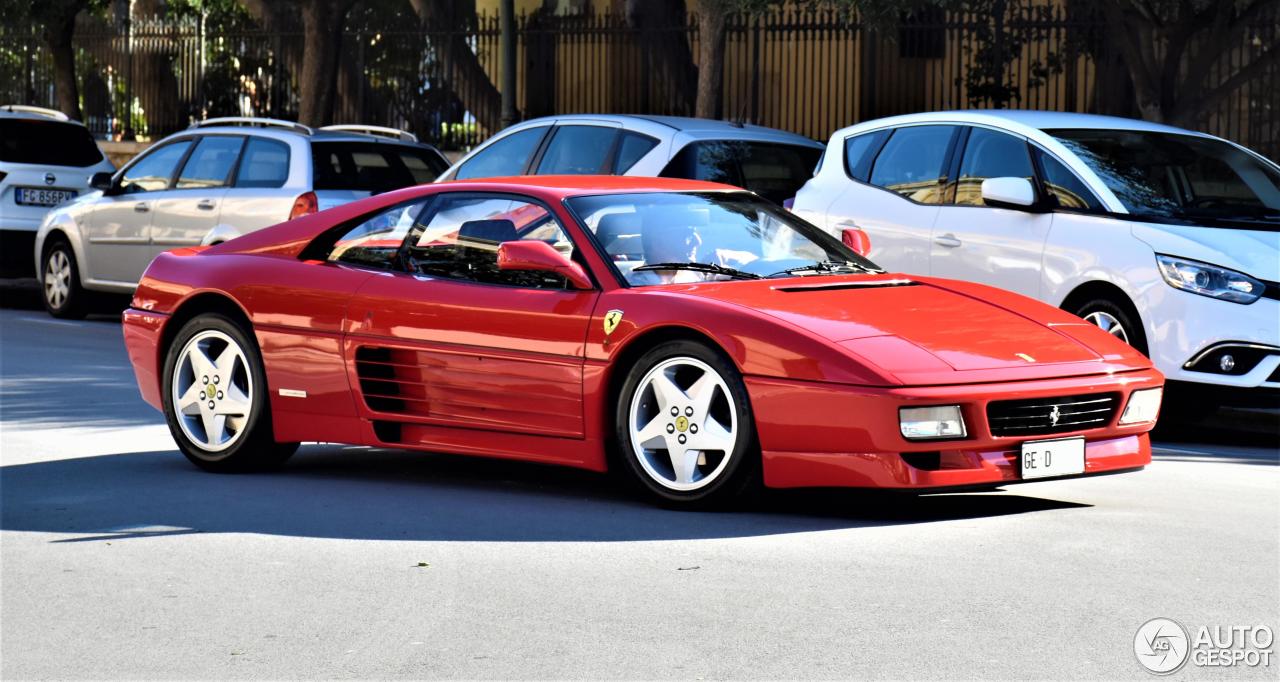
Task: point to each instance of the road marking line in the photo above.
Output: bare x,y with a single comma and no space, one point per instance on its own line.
63,323
1161,448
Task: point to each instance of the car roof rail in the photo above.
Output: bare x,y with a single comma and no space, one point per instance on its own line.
253,121
39,111
380,131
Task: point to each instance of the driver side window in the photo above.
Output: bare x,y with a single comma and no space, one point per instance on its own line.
153,172
374,241
461,237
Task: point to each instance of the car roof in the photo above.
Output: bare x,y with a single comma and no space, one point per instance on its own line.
564,186
695,128
27,113
281,133
1022,118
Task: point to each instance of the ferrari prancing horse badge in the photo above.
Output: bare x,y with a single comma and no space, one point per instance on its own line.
611,320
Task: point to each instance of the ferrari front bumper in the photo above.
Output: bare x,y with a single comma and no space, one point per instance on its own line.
825,435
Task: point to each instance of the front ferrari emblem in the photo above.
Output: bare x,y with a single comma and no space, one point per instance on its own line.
682,424
1054,415
611,320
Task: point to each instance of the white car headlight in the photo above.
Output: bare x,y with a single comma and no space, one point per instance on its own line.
1143,406
1209,280
931,423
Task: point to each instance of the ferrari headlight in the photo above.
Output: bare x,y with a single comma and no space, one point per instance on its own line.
1209,280
1143,406
931,423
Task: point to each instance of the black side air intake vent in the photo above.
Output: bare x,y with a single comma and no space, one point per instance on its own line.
832,286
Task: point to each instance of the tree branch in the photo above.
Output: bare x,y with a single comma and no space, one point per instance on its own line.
1219,93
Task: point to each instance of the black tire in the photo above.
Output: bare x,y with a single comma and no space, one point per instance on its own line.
63,296
254,447
1122,312
738,476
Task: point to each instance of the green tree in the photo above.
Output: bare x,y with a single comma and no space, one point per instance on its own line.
322,25
448,20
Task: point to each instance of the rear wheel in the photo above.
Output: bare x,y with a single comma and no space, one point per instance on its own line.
685,428
63,295
1115,318
215,398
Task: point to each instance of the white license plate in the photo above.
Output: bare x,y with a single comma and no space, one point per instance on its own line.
32,196
1062,457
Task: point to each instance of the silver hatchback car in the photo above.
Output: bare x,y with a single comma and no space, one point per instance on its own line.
215,181
772,163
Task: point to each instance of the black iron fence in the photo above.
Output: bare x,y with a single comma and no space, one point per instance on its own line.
809,71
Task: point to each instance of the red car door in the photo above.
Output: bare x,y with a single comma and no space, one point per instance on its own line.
449,340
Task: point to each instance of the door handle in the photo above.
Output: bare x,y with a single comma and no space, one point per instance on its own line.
141,207
206,204
948,240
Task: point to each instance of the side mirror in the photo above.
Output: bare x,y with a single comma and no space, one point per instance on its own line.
102,181
542,257
856,239
1015,193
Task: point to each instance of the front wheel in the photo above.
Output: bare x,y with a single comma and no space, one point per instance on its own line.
63,295
1115,319
685,429
215,398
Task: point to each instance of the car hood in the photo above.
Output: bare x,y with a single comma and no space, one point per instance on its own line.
922,330
1254,252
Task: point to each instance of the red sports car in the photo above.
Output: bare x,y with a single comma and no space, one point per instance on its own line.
697,336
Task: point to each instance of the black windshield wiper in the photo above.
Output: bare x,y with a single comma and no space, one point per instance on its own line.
699,267
831,266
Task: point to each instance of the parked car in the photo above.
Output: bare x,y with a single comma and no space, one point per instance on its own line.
772,163
45,159
748,346
1166,238
217,180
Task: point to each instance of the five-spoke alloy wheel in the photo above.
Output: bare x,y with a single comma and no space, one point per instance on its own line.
215,399
213,390
684,426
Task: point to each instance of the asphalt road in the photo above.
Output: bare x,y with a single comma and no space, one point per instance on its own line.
119,559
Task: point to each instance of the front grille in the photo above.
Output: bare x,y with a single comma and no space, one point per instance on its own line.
1037,416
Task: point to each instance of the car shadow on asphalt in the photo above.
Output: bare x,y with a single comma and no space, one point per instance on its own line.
364,493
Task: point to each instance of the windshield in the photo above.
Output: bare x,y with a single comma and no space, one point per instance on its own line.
1183,177
672,238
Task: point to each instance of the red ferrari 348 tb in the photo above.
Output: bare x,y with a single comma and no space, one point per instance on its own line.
693,334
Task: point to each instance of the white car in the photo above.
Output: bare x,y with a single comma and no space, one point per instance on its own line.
772,163
45,159
215,181
1167,238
